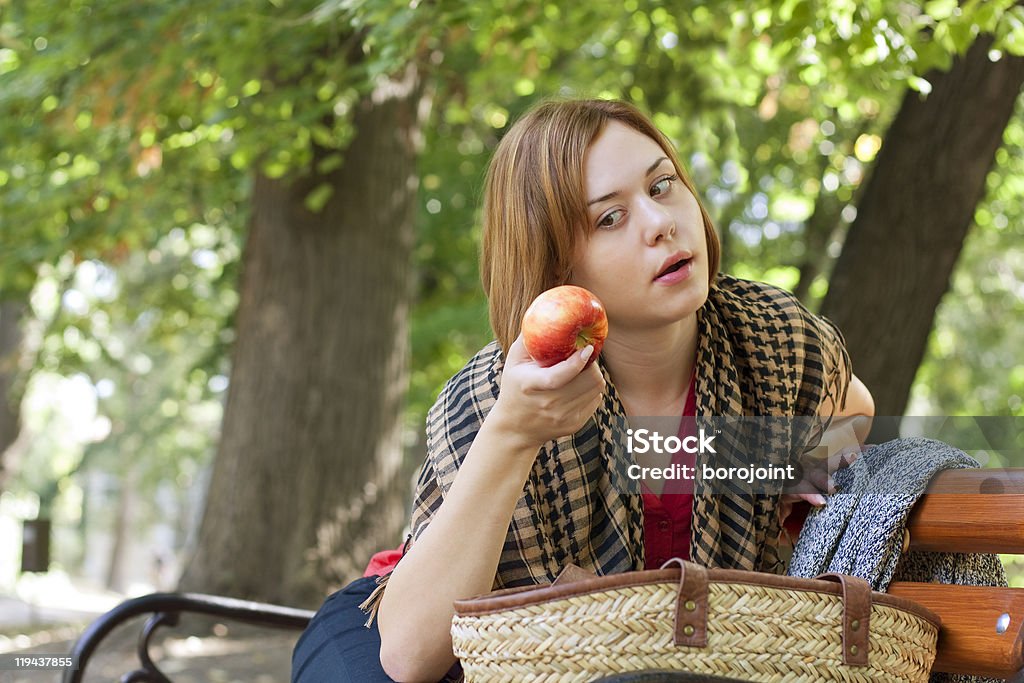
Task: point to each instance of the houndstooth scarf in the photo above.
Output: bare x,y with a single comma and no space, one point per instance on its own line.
759,353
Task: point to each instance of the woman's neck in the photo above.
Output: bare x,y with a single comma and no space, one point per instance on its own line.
652,368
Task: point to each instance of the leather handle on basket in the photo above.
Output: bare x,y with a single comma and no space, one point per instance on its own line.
856,616
691,604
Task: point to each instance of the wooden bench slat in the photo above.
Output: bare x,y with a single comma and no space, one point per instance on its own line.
971,511
1007,480
968,640
967,523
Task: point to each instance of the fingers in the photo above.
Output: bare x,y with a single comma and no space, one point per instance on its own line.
843,458
578,399
590,377
549,402
560,374
555,375
816,478
588,405
516,358
839,447
517,353
815,499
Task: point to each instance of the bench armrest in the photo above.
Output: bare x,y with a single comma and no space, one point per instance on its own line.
165,609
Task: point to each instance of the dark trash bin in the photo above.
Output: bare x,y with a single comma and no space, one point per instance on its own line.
35,545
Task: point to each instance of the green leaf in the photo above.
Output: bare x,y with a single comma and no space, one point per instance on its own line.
940,9
919,84
317,199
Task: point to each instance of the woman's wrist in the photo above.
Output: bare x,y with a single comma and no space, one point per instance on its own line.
507,431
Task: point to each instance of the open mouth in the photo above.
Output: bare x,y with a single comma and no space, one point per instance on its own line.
674,267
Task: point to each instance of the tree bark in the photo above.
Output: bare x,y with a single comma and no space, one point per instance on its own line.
817,232
913,218
309,478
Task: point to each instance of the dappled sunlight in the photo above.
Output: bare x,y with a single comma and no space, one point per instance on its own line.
137,158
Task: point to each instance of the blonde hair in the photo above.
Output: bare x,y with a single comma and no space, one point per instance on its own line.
535,206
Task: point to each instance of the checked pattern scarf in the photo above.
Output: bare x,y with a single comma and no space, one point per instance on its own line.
760,353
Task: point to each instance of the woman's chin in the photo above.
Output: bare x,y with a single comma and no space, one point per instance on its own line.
684,303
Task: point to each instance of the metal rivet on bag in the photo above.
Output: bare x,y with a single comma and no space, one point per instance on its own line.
688,630
853,649
855,624
1003,623
690,605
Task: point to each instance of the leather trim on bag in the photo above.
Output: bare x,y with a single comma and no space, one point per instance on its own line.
691,620
856,616
533,594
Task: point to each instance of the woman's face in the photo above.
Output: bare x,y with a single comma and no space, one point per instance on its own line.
646,258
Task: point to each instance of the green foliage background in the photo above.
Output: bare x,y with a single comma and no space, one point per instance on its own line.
130,133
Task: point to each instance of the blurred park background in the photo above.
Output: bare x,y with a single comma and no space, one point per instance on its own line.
238,243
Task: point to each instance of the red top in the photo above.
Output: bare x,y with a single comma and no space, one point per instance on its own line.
668,518
383,562
795,522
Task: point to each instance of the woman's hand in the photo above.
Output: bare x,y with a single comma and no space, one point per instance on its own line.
538,404
837,461
841,446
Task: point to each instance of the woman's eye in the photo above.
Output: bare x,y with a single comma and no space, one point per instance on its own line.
610,219
663,185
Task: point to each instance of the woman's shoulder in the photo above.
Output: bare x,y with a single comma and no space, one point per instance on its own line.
477,380
484,362
739,293
749,305
455,418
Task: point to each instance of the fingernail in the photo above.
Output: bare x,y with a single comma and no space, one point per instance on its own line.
818,499
587,353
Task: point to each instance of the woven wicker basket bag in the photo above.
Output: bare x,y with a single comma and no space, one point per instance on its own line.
747,625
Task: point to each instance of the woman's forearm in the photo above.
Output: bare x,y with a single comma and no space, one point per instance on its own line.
456,557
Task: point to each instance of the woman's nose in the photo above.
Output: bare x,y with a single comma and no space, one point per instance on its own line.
658,222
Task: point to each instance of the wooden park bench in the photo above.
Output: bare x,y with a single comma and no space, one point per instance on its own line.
969,511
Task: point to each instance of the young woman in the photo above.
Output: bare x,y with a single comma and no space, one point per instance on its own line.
519,477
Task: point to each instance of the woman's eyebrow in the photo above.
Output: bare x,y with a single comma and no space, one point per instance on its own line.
610,195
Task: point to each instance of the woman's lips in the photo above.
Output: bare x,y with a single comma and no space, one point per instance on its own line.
678,275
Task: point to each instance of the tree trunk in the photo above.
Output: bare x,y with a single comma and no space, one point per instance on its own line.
309,478
818,232
117,580
913,217
11,315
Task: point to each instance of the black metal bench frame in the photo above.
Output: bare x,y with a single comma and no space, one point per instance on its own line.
166,608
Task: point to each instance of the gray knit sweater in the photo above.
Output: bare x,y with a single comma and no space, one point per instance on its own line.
860,531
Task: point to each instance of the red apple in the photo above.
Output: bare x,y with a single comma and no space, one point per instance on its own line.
562,321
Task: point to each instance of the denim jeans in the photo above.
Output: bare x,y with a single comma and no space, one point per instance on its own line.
337,647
